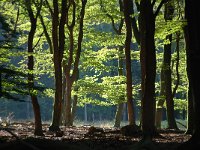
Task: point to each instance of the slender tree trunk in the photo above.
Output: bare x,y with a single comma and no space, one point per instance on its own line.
36,106
118,115
68,121
70,78
74,107
63,112
57,59
168,15
190,112
127,13
85,114
0,83
75,100
168,86
118,31
161,100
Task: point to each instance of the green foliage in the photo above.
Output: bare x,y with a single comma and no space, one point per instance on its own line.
180,104
90,88
98,83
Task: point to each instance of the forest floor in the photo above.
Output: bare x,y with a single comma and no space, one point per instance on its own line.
19,135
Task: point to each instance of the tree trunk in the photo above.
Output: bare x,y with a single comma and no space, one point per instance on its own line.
74,107
57,59
118,115
75,100
161,100
190,108
127,13
68,110
148,63
190,113
168,81
37,114
36,107
72,77
192,15
0,84
85,114
168,15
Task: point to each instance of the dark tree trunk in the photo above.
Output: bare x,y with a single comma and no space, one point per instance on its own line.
127,12
57,59
0,84
190,108
168,86
190,112
192,13
36,106
168,15
192,16
148,61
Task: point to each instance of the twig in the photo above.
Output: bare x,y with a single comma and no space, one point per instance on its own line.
181,124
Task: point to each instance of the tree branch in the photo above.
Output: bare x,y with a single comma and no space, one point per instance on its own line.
159,7
49,7
109,16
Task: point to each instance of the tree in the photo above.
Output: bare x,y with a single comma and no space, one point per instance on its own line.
117,27
148,63
128,5
36,106
166,81
12,83
70,63
192,14
58,42
190,106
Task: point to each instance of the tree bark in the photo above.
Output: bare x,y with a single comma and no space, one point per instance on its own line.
36,106
190,108
148,63
118,115
192,14
71,77
168,15
57,59
161,100
168,86
127,13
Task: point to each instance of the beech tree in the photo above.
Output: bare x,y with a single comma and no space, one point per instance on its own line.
192,14
36,106
72,62
128,5
148,64
166,73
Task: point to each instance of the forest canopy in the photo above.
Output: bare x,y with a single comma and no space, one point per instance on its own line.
89,60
